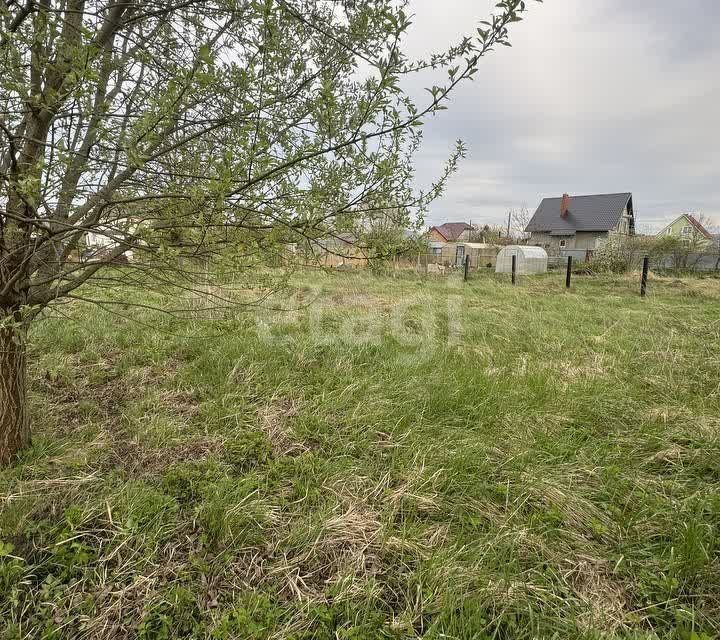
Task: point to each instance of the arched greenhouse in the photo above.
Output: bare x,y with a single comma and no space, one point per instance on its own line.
529,260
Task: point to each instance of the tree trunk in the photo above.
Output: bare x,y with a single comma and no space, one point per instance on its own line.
14,419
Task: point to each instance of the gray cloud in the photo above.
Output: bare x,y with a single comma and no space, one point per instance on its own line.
599,96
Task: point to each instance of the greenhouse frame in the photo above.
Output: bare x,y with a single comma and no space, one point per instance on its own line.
530,260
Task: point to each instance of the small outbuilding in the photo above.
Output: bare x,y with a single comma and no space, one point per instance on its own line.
529,260
481,254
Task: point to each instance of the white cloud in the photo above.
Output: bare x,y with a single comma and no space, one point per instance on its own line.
592,97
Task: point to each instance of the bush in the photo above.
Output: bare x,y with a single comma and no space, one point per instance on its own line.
683,254
622,254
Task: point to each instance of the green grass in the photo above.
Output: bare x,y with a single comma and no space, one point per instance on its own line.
397,457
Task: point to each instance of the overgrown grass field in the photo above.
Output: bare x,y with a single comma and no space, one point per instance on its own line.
393,458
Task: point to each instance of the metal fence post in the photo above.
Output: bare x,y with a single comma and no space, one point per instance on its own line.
514,268
467,267
643,278
569,273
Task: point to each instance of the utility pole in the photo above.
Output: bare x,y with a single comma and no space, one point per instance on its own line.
509,218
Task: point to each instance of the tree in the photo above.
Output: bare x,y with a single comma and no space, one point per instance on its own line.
491,234
519,220
196,134
674,247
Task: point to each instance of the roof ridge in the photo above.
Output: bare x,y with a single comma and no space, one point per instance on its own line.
591,195
459,222
697,224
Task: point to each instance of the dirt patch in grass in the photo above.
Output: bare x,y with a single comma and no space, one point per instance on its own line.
137,460
70,403
368,302
97,393
342,552
605,598
274,420
589,369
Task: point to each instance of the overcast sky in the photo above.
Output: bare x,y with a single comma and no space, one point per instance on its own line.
595,96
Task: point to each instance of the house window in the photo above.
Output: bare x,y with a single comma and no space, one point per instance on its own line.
686,231
437,251
562,243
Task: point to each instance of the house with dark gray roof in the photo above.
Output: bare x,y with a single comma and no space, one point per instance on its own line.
581,223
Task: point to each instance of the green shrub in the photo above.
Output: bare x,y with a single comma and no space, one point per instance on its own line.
622,254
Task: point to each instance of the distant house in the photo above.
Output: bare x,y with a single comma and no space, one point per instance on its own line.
106,239
583,223
450,232
690,229
339,250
